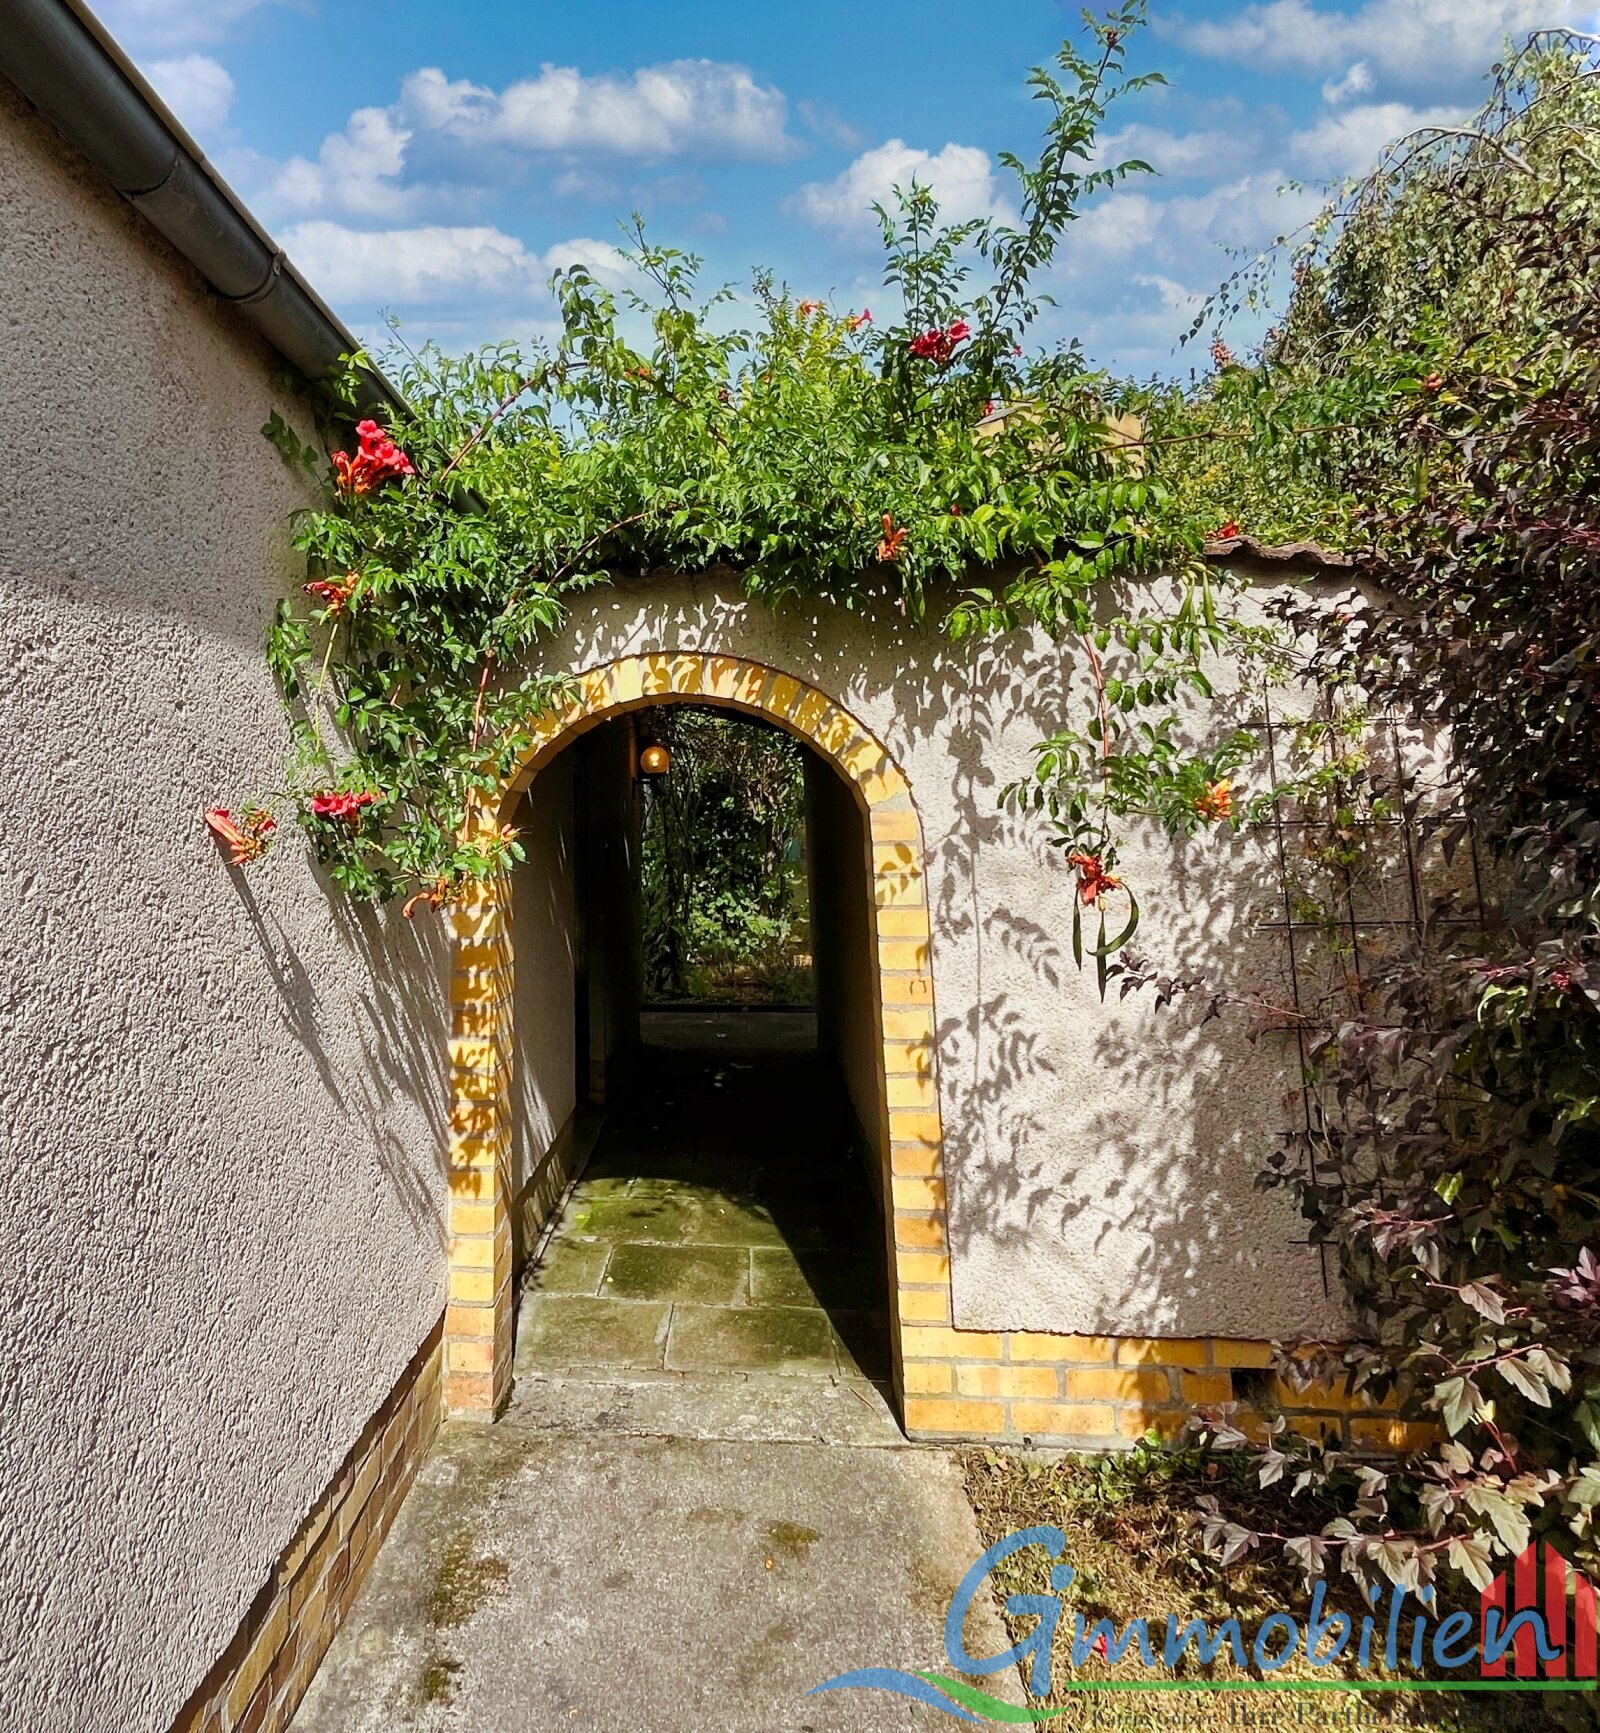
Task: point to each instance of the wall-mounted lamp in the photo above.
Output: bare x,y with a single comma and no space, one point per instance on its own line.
655,760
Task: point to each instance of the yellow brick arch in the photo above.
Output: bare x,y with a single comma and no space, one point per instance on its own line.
479,1318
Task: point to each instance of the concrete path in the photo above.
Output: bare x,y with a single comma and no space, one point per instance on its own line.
633,1584
699,1504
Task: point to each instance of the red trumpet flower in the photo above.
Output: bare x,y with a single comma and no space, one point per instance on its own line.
939,345
435,896
335,804
1216,802
332,593
1093,879
377,458
245,840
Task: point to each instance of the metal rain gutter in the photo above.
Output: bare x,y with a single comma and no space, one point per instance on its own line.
57,53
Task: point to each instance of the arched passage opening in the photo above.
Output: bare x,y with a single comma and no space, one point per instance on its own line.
727,1218
517,1140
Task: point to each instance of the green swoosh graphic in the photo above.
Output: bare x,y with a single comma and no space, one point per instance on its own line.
969,1697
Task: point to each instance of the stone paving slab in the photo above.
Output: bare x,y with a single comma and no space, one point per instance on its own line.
570,1267
573,1330
785,1340
707,1273
653,1585
779,1278
666,1220
730,1406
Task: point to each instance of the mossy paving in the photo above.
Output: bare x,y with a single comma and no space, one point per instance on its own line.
792,1539
438,1682
463,1576
463,1580
716,1250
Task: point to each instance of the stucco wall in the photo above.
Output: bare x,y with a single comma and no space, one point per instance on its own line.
843,955
1101,1158
220,1235
543,931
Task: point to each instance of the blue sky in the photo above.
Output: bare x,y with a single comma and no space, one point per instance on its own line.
437,160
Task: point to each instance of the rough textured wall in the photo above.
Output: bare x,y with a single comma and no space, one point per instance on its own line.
220,1235
543,931
1101,1158
842,954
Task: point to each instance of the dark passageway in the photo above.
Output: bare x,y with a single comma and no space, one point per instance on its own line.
723,1224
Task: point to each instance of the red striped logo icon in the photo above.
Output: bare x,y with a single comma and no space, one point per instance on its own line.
1544,1584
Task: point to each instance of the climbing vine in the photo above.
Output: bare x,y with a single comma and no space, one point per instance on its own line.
930,463
1435,380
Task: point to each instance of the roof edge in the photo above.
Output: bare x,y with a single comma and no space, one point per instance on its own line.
64,61
1278,553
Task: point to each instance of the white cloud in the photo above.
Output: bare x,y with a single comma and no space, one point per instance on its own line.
1133,271
1357,81
680,189
961,175
1410,46
422,267
1174,296
1350,142
458,285
434,267
357,172
584,183
827,123
697,108
1188,237
600,257
444,140
196,89
1213,152
168,25
1113,229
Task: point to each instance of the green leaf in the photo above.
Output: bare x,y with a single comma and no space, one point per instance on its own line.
1104,949
1521,1378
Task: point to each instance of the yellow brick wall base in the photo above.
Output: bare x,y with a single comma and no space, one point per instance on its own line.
553,1175
257,1682
1104,1392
